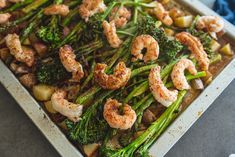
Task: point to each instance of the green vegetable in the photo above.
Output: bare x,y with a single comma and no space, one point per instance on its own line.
169,48
156,127
51,72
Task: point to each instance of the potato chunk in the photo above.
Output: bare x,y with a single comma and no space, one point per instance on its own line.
184,21
43,92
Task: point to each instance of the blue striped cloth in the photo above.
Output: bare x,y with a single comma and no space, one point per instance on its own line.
226,8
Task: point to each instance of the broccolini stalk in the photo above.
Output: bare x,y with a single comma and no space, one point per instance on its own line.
169,115
32,24
33,6
90,92
154,128
17,6
80,132
11,24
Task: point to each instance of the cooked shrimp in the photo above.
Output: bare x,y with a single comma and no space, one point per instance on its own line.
116,120
57,9
161,14
120,16
195,46
21,55
3,3
117,80
160,92
145,41
90,7
111,35
4,18
67,58
64,107
210,23
177,74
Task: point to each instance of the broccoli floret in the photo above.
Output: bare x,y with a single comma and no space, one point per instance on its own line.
51,72
169,48
51,33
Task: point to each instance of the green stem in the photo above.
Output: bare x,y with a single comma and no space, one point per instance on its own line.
17,6
37,3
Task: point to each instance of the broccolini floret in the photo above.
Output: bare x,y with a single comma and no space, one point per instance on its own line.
51,72
169,48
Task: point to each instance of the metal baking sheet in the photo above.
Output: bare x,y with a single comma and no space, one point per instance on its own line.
174,132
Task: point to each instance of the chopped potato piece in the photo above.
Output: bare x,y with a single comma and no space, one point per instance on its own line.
90,149
27,42
169,32
184,21
215,45
49,107
208,78
4,54
226,50
63,125
158,24
43,92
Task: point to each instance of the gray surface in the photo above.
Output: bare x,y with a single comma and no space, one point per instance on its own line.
211,136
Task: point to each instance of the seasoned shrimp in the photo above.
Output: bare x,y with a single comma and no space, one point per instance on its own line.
117,80
4,18
160,92
64,107
195,46
116,120
57,9
210,23
67,58
111,35
21,55
161,14
3,3
145,41
120,16
177,74
90,7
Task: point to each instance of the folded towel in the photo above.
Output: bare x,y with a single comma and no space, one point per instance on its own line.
226,8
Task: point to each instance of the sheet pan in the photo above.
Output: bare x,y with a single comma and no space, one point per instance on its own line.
174,132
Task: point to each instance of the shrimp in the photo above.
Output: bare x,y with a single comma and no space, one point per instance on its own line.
57,9
145,41
177,75
210,23
117,80
4,18
67,58
120,16
3,3
90,7
111,35
64,107
21,55
196,47
161,14
115,119
160,92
